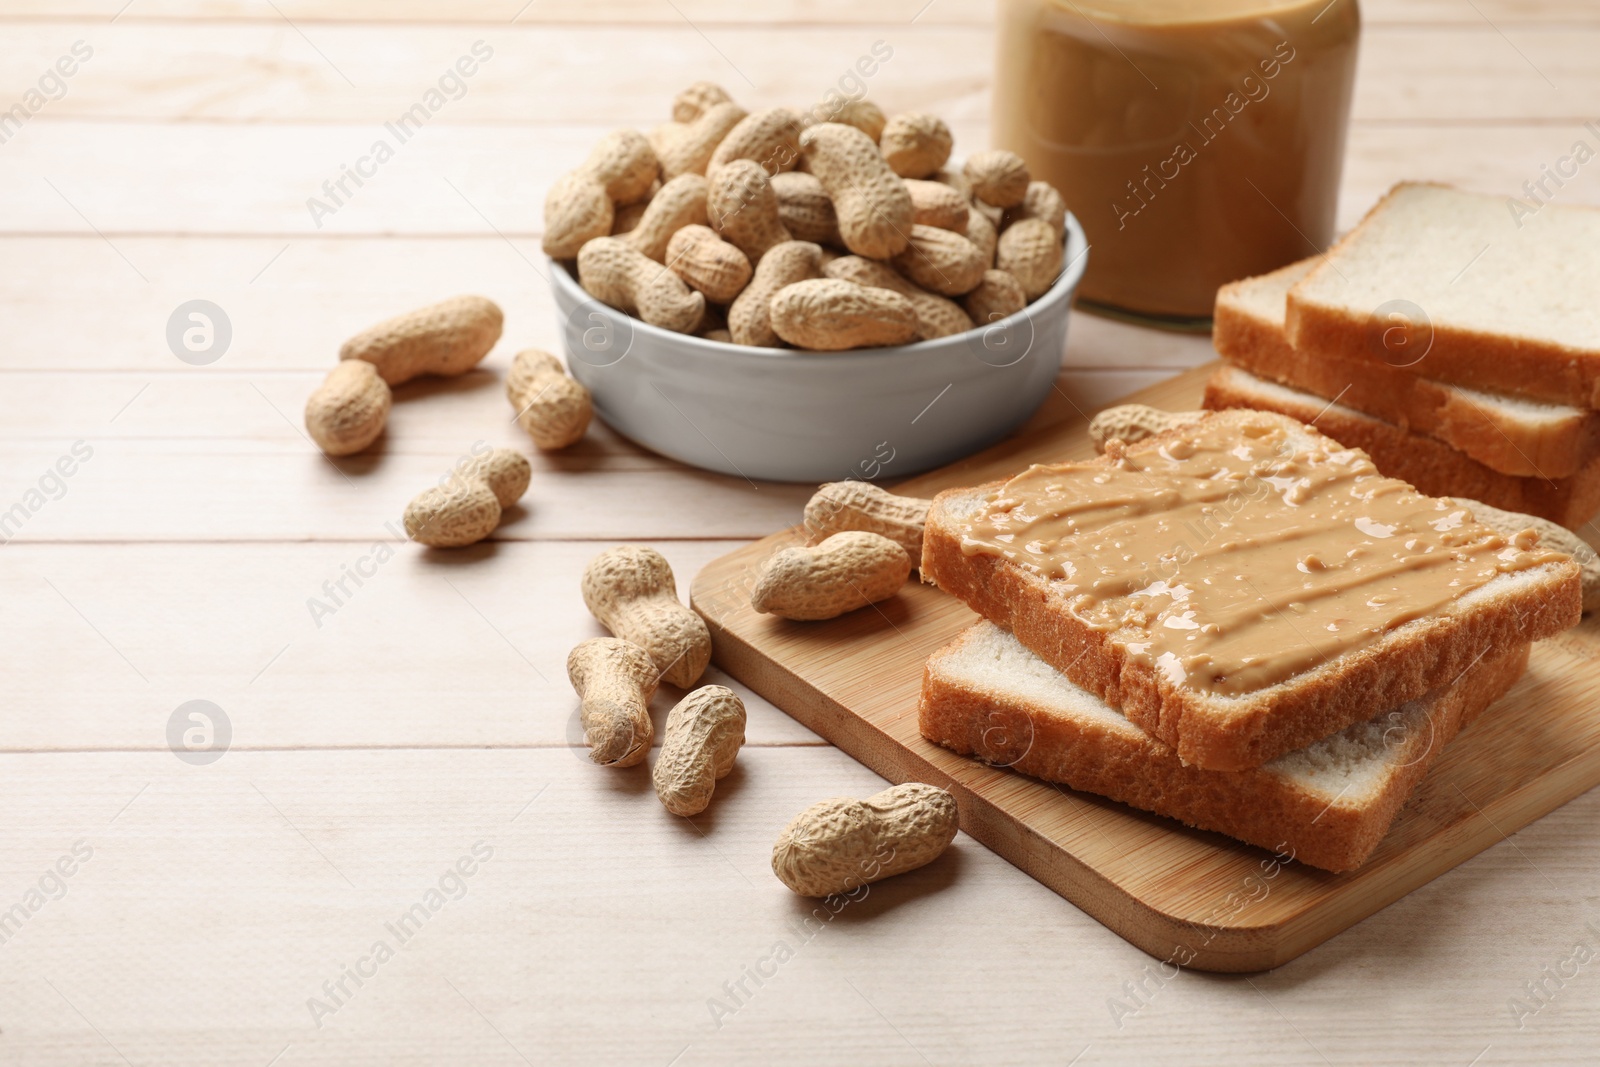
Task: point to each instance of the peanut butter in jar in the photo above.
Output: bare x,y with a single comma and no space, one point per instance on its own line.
1197,141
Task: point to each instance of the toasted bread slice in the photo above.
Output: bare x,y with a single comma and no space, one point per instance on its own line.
1432,466
1460,287
1328,804
1508,434
1201,628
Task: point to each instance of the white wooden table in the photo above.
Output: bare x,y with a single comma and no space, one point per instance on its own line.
211,909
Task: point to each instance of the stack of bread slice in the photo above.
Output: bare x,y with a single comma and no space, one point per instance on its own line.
1238,623
1455,341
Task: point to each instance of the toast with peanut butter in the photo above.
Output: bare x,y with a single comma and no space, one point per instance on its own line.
1244,585
1427,463
1328,804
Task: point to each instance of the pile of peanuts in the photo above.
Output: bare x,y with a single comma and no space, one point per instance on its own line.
828,229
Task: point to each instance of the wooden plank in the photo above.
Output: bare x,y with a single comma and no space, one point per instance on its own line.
102,642
105,303
257,179
1169,890
218,900
272,71
290,302
164,471
433,421
701,12
222,490
505,12
484,181
1489,158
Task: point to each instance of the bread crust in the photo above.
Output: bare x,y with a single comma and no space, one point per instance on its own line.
1259,344
1427,463
1503,363
1257,806
1234,733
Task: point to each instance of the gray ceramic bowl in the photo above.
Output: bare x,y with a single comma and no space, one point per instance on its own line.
812,417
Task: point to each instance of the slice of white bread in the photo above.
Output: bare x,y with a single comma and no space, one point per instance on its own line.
1328,804
1509,434
1429,464
1508,294
1230,732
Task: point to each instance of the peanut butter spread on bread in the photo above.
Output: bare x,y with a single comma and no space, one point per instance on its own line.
1232,557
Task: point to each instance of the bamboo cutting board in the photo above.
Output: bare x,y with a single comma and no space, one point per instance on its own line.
1184,896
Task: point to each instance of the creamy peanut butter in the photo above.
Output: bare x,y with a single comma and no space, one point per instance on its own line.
1232,561
1198,141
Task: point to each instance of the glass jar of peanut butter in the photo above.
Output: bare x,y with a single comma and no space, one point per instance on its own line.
1197,141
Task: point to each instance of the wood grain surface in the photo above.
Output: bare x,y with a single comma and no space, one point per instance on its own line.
372,752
